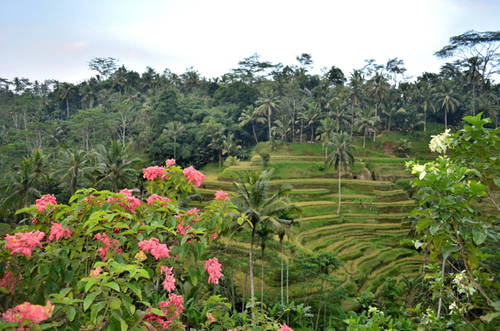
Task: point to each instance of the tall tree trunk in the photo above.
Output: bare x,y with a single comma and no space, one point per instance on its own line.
301,127
250,264
425,118
364,138
352,118
340,196
269,123
441,291
220,159
446,117
254,135
281,279
175,143
67,108
473,100
262,280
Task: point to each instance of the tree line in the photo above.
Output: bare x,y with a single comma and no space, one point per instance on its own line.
197,120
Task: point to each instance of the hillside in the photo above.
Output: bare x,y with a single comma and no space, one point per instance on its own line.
365,236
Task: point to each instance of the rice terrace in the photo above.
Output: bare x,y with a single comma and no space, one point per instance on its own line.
234,166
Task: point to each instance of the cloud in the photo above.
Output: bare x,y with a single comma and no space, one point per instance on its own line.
75,46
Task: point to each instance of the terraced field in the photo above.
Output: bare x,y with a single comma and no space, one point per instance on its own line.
365,235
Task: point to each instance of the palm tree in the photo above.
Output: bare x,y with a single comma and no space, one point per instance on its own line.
337,106
340,156
310,116
250,115
326,131
115,164
175,129
366,122
73,165
356,82
380,87
446,96
425,93
65,91
260,206
412,118
267,105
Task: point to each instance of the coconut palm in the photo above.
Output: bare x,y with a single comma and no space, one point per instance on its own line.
446,96
425,93
72,166
356,93
251,116
367,122
340,155
116,165
175,129
267,105
260,206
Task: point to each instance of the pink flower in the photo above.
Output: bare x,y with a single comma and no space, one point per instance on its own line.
172,310
158,198
44,201
194,175
214,269
169,282
214,236
154,247
130,202
151,173
170,162
210,317
23,243
96,272
115,245
221,195
285,327
57,232
8,281
28,312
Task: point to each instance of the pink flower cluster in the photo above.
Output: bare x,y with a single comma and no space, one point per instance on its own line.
28,312
214,269
151,173
210,317
23,243
96,272
44,201
130,202
172,310
157,250
285,327
221,195
158,198
169,282
194,175
8,281
108,244
57,232
170,162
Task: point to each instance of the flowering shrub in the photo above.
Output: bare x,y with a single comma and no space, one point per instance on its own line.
111,261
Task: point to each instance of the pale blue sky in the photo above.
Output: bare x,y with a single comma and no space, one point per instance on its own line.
56,39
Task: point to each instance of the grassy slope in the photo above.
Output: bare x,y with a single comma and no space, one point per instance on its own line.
366,234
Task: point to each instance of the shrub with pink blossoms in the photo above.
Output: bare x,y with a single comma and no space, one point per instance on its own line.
194,175
170,162
169,282
24,243
214,269
158,198
26,312
154,247
151,173
44,201
221,196
285,327
57,232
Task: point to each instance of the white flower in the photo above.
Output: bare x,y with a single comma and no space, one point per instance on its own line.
441,142
420,170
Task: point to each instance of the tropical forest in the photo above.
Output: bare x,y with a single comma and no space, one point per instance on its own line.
271,197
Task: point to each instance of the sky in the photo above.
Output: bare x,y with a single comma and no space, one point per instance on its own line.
56,39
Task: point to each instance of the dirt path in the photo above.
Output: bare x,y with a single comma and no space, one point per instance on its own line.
388,149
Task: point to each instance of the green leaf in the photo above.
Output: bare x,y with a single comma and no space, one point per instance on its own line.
70,313
157,311
434,228
89,299
113,286
478,236
137,291
115,304
423,223
90,283
490,317
123,325
96,309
